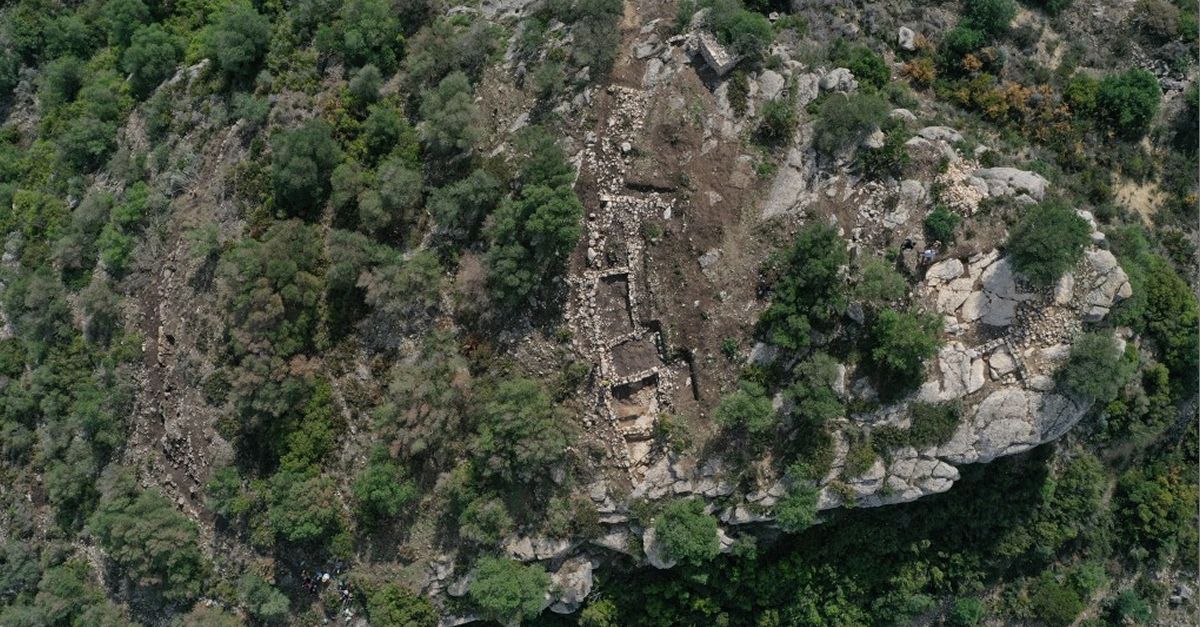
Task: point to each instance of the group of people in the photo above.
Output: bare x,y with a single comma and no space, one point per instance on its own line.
314,582
927,255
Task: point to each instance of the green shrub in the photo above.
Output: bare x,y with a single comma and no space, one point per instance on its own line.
686,532
990,16
844,121
150,59
521,432
122,18
957,43
393,604
302,160
382,490
261,599
1170,318
797,510
1054,603
237,40
809,290
153,543
485,521
941,223
747,407
867,66
1128,608
748,34
901,342
890,159
1048,241
933,424
1126,103
1096,370
777,123
812,391
304,506
860,457
880,284
531,236
966,612
508,591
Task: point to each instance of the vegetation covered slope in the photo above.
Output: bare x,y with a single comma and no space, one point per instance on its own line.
283,293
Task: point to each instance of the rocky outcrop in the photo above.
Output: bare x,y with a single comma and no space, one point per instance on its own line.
1012,182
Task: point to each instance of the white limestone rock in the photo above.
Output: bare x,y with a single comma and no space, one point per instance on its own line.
1012,182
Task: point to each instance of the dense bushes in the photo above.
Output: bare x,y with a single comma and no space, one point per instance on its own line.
900,344
1048,241
508,591
302,160
144,534
747,408
941,223
237,40
687,533
844,121
150,58
382,491
1096,370
808,290
521,432
393,604
1124,104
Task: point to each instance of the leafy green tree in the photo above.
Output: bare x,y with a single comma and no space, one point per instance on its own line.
367,32
426,400
237,40
1096,370
460,208
402,296
122,18
387,132
990,16
748,407
808,291
777,123
600,613
150,58
1171,318
508,591
1048,241
154,544
521,433
1127,102
901,342
70,34
302,160
399,192
382,490
1055,603
1156,506
686,532
449,126
391,604
86,143
364,86
812,391
797,510
880,284
844,121
304,506
531,236
485,521
262,600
